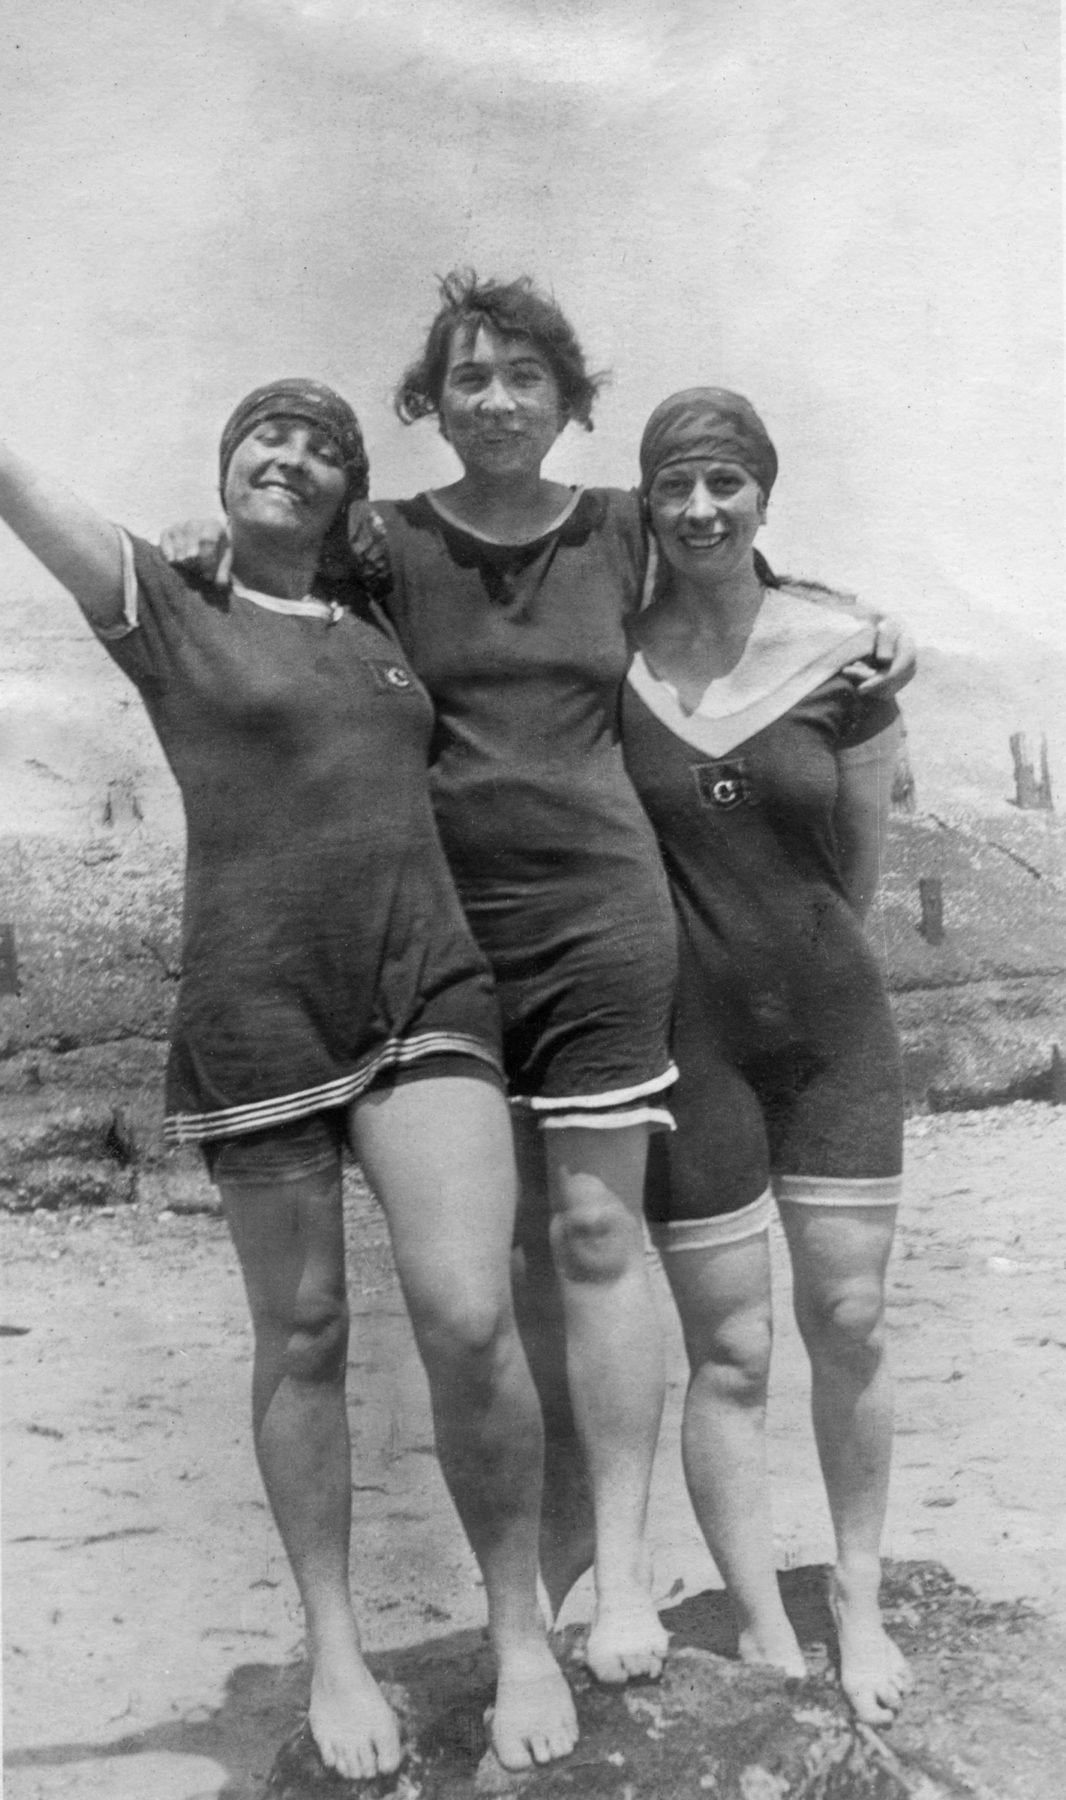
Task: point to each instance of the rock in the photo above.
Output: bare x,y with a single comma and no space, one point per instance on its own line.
714,1727
37,1127
62,1181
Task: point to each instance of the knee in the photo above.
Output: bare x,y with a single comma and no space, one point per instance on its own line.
595,1242
734,1358
316,1341
845,1324
464,1330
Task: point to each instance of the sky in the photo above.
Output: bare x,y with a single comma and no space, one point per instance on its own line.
849,211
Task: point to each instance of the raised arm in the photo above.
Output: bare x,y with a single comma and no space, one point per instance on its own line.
860,818
81,549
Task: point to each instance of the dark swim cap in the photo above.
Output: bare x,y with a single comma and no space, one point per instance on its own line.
312,401
709,422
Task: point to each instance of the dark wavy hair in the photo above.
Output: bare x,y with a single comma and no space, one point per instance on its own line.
511,309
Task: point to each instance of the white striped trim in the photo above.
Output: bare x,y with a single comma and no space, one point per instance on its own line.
284,1109
612,1121
826,1190
614,1097
679,1235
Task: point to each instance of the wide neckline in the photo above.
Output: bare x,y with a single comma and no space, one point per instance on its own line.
494,543
790,664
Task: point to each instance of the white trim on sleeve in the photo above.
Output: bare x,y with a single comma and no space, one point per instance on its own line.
130,620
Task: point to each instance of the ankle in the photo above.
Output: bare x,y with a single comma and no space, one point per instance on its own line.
857,1577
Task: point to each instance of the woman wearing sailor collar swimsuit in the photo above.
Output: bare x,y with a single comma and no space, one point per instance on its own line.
767,777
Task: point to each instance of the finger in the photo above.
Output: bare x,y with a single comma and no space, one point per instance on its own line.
225,565
886,641
867,678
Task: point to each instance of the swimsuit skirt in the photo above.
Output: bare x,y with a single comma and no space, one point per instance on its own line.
322,942
523,649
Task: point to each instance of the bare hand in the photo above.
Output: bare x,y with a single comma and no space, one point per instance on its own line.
369,546
890,664
201,546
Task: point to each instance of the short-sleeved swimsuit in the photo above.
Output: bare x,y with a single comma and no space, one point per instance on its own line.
323,942
523,650
787,1049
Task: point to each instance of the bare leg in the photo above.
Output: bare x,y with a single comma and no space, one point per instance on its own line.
616,1374
289,1237
568,1525
839,1257
439,1155
723,1297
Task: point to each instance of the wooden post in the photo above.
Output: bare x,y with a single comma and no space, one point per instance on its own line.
931,896
9,967
122,807
1044,785
1031,792
1057,1078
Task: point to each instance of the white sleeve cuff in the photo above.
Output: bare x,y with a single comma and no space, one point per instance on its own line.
129,621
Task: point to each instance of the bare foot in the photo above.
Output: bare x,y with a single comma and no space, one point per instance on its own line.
352,1723
533,1720
873,1671
772,1643
627,1641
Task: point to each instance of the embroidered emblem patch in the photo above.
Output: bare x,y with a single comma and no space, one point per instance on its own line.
723,785
391,677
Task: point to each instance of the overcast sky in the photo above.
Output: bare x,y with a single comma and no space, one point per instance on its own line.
848,210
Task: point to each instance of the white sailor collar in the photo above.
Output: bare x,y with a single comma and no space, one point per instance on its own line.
795,646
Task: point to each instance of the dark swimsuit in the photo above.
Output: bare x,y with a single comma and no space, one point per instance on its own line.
523,650
784,1037
323,942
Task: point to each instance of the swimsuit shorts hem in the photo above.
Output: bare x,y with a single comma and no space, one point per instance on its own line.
401,1059
825,1190
611,1098
655,1116
679,1235
610,1111
289,1152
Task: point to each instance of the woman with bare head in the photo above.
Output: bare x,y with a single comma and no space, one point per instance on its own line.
330,993
510,594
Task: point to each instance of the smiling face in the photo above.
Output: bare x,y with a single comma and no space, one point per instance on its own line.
705,514
288,475
499,407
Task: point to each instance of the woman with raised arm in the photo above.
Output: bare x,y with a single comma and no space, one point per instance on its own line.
330,992
767,777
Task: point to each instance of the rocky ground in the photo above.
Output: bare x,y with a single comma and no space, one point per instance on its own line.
152,1635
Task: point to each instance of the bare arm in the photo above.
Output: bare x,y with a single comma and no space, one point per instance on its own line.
860,819
81,549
